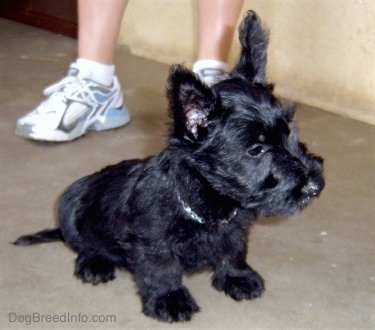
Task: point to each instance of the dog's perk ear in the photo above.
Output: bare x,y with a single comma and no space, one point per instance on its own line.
190,104
254,40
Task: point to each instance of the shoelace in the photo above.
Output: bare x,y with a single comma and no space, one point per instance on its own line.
68,88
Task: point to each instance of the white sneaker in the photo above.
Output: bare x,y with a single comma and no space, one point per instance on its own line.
74,106
210,71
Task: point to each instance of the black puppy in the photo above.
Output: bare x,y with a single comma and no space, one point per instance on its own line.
233,154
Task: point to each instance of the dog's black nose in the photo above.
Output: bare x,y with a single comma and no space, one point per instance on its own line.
313,187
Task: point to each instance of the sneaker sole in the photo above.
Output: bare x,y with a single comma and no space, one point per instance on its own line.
81,129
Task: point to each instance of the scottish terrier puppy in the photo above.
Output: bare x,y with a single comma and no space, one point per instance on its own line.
233,154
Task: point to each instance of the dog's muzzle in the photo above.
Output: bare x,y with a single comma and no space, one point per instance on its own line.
313,187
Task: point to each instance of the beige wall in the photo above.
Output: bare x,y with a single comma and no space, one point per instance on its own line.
321,53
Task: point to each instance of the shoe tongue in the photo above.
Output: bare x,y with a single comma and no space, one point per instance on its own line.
72,72
81,73
212,72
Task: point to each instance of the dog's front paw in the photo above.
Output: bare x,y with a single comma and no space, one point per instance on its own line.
174,306
94,269
248,286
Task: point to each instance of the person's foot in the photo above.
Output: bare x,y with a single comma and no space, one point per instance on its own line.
74,106
210,71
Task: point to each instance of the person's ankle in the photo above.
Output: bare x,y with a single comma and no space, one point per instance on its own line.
209,64
101,73
210,71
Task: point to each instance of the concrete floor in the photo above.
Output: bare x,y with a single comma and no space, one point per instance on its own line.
319,266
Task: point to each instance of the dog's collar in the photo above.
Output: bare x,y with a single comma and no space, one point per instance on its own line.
195,217
190,212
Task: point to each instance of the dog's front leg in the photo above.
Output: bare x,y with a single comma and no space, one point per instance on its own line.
164,297
237,279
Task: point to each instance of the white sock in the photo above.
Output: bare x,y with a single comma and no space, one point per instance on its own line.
99,72
209,64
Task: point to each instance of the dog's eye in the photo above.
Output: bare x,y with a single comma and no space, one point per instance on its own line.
256,150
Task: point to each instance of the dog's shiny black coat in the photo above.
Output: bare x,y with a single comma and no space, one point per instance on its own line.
233,154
